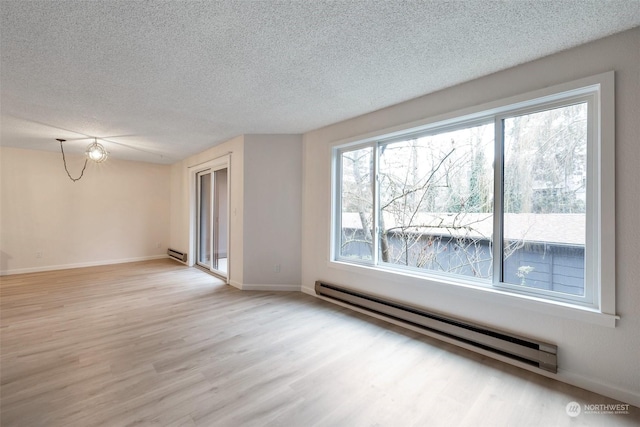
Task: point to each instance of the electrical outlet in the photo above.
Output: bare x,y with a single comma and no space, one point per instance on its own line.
39,254
276,268
158,245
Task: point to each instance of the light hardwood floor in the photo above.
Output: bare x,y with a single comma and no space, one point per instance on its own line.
157,343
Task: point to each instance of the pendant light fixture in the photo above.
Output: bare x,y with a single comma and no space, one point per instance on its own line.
95,152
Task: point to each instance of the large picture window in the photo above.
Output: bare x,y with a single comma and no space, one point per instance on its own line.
508,198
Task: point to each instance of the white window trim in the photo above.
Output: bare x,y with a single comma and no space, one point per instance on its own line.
601,309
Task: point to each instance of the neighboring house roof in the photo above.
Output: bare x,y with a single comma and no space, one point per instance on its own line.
550,228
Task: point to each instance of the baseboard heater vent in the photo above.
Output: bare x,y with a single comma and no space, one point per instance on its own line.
180,256
531,352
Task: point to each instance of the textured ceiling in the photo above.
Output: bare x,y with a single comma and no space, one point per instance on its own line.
162,80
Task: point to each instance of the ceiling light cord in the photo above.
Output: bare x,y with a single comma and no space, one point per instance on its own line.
64,160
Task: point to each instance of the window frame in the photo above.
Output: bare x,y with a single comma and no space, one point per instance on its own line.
591,216
598,92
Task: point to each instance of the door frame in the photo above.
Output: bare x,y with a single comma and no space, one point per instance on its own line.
213,165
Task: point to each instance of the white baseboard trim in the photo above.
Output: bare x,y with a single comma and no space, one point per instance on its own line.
627,396
259,287
308,291
609,390
235,284
79,265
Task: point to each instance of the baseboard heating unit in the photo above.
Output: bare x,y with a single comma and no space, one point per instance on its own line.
180,256
531,352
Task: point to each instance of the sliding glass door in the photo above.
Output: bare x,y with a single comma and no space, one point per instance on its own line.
212,222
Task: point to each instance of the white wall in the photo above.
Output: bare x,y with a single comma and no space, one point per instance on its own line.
273,210
594,357
118,211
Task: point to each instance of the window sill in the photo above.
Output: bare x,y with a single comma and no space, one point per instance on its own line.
487,295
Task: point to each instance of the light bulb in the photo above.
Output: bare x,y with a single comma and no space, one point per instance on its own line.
96,152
